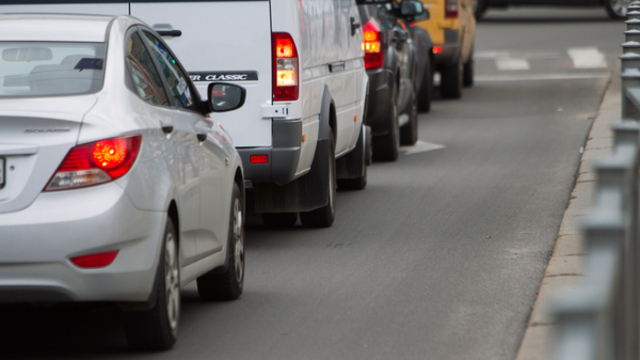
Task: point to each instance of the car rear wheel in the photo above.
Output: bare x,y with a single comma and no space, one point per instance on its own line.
467,74
228,284
426,90
157,328
387,147
409,131
451,84
363,146
324,216
616,9
279,220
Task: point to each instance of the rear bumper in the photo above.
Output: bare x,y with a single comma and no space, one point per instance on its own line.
378,104
38,242
284,155
450,49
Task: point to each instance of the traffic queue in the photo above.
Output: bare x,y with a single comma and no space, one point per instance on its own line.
132,140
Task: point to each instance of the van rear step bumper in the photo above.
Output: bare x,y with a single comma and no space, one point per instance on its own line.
283,156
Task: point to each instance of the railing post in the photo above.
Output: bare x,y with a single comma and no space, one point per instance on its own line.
630,75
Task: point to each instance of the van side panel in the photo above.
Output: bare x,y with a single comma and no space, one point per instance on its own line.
322,32
230,37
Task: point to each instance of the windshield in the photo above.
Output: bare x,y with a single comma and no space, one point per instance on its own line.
29,69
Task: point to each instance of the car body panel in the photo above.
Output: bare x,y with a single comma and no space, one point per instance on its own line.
127,214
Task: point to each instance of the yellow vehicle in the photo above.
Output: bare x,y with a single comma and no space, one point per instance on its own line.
452,27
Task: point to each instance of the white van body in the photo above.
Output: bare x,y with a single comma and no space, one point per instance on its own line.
231,41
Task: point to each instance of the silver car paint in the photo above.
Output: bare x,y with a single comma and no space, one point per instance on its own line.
127,214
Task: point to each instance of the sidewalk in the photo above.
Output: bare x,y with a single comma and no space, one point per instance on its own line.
565,266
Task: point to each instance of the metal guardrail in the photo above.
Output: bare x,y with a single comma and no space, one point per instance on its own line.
600,319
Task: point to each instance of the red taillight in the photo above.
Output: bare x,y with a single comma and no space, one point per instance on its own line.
437,49
372,45
259,159
285,68
451,9
95,260
96,163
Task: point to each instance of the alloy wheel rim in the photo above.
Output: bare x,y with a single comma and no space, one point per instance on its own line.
238,253
172,281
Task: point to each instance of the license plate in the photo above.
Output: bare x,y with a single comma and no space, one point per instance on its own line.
1,172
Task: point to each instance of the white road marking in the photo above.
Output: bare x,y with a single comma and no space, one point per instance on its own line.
503,54
421,147
587,58
549,76
512,64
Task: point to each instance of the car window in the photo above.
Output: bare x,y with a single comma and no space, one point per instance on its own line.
145,78
386,17
31,69
178,82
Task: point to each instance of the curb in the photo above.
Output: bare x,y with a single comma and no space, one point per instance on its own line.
564,270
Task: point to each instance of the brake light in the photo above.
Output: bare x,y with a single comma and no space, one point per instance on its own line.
95,260
437,49
259,159
96,163
451,9
285,68
373,55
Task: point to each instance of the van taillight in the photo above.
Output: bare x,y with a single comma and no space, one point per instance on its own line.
372,45
285,68
451,9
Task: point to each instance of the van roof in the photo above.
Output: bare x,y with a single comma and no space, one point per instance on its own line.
54,27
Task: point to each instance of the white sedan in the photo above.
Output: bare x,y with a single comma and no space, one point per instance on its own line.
114,184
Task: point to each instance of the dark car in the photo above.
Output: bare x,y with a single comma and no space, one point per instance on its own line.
616,9
393,65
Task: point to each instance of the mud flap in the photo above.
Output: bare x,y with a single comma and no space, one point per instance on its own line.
307,193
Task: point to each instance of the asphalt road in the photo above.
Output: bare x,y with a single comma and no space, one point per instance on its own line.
439,258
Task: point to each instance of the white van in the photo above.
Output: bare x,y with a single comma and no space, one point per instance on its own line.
300,133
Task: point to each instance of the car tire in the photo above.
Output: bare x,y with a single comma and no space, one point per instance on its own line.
363,146
409,131
479,8
325,216
279,220
467,73
451,84
616,9
157,328
387,147
426,90
227,285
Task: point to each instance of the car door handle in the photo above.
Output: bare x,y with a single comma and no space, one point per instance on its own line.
354,26
201,137
169,32
167,129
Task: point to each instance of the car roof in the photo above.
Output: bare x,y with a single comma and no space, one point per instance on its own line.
54,27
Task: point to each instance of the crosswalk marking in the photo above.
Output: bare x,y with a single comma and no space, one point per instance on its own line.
587,58
512,64
581,58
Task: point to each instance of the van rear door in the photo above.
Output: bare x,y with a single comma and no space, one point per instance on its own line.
227,41
100,7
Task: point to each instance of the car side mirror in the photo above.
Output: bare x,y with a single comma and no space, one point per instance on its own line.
413,10
225,97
